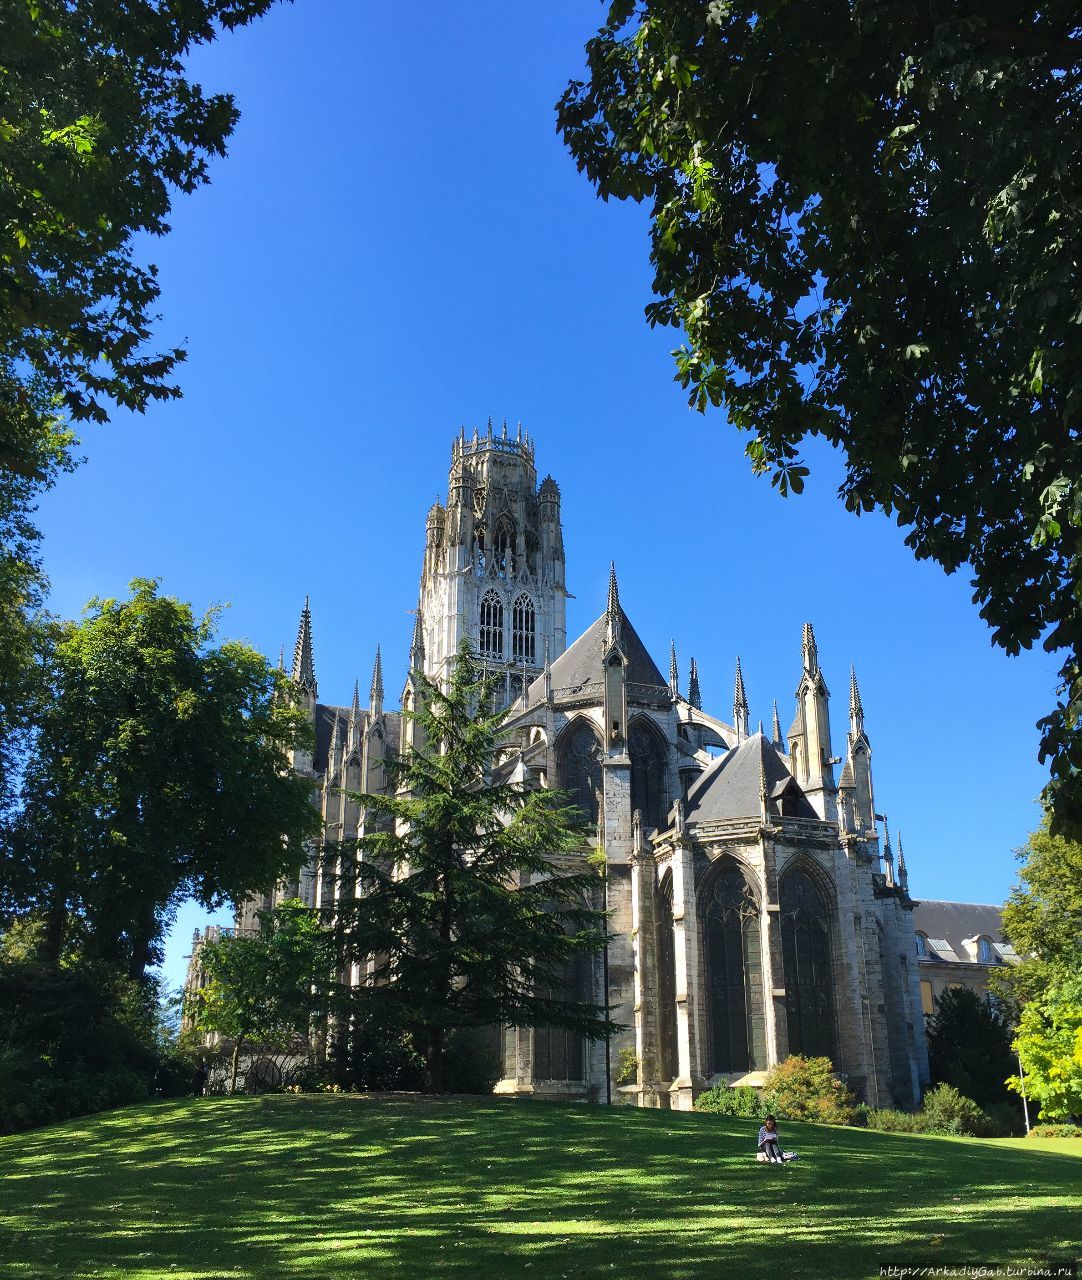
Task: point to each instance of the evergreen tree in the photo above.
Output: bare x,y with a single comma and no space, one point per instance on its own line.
468,899
969,1047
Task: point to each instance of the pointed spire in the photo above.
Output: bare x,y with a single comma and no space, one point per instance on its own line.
888,856
376,692
613,609
417,644
695,698
903,870
740,704
674,672
775,730
856,707
808,650
764,805
332,753
304,671
281,657
355,707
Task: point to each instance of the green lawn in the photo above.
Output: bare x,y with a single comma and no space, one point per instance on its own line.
325,1187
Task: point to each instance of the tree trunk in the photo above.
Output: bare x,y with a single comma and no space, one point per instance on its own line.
434,1061
233,1066
56,920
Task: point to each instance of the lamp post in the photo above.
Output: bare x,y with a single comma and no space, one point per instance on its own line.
1022,1082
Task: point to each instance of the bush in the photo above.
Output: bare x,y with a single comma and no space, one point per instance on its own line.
807,1089
945,1110
884,1120
1056,1131
74,1038
724,1100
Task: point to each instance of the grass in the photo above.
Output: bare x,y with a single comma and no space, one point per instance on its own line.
324,1187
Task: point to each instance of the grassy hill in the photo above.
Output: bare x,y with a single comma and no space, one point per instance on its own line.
326,1187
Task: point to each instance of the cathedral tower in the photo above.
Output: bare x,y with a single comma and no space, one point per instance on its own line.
494,563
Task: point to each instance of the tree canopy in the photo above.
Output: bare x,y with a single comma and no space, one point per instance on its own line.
157,771
866,220
473,905
99,126
1043,920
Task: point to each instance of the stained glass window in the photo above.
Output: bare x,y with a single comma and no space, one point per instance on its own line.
734,973
809,974
647,774
580,769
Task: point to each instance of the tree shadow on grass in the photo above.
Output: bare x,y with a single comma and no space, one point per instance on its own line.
323,1187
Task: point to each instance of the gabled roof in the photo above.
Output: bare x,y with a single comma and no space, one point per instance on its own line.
730,788
581,663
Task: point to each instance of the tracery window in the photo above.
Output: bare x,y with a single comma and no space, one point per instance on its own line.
491,637
647,774
523,643
734,974
809,975
580,769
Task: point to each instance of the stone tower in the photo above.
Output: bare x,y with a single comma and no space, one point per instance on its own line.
494,563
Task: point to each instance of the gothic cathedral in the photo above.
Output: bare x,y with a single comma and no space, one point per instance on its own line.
756,909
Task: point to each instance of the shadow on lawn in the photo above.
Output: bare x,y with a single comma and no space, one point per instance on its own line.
326,1187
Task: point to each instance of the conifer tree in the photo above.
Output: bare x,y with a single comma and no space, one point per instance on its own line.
468,903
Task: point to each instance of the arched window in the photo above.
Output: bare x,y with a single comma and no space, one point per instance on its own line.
984,951
666,980
580,769
734,973
523,644
809,977
491,638
503,550
647,774
922,946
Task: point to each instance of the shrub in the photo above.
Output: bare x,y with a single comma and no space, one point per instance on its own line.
1055,1131
724,1100
884,1120
945,1110
807,1089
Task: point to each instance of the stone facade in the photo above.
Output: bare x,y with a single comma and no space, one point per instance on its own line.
755,908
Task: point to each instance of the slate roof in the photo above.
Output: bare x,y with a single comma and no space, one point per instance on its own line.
325,718
730,787
581,663
947,924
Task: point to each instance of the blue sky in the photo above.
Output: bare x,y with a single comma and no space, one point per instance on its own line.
398,244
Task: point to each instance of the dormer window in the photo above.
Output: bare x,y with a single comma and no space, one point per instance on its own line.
984,951
922,946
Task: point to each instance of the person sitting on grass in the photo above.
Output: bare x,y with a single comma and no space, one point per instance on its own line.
769,1141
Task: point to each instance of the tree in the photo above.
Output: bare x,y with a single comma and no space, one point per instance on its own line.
98,127
260,990
45,444
1043,920
969,1047
866,220
472,905
157,772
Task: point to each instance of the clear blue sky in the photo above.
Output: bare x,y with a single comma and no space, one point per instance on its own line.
397,244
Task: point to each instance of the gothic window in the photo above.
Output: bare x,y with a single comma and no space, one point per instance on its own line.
532,548
559,1054
647,774
523,645
734,974
666,981
809,978
503,552
491,625
580,769
922,946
